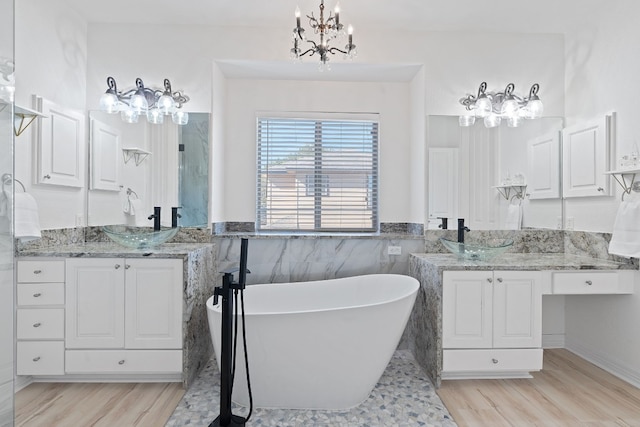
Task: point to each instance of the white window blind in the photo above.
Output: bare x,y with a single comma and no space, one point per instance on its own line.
317,175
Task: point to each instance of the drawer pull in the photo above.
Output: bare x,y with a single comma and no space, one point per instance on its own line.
35,359
589,282
127,266
117,266
121,362
494,361
37,325
37,271
37,295
489,279
499,279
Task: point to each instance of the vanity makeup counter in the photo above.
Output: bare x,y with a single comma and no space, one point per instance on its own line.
447,328
179,277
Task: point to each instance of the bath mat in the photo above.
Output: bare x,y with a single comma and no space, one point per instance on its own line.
403,397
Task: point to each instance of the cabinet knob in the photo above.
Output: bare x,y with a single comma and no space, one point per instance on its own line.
127,266
499,279
494,361
37,325
37,271
37,295
489,279
47,176
121,362
589,282
600,189
35,359
117,266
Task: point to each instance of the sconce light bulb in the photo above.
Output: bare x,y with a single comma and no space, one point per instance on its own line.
109,103
534,108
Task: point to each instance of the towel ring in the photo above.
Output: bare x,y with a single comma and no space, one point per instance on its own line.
131,192
7,178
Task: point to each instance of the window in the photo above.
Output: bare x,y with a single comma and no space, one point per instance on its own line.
317,175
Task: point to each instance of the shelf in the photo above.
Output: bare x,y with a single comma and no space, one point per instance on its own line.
506,190
22,117
137,154
627,185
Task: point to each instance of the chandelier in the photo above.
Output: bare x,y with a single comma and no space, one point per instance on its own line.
152,103
328,30
495,106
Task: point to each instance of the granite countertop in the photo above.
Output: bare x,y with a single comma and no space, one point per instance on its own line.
315,236
110,249
521,261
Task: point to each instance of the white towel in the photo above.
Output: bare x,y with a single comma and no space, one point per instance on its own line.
140,217
625,239
514,217
27,220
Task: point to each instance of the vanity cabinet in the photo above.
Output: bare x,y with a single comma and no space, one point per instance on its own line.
123,315
491,323
40,317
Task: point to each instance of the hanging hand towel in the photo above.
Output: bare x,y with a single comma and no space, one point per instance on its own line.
140,218
27,220
625,239
514,217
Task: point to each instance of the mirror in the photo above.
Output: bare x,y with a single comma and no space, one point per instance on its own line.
480,172
136,166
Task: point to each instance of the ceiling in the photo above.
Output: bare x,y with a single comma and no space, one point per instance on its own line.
539,16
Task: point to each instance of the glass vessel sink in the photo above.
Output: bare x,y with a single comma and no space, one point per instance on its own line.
478,251
138,237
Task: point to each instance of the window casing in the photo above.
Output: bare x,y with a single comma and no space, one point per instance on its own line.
317,175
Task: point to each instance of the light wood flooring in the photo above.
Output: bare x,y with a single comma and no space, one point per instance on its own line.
99,405
569,391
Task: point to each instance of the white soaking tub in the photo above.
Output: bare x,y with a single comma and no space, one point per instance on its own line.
318,345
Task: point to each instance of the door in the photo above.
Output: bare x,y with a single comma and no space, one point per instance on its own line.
517,309
154,303
467,309
94,303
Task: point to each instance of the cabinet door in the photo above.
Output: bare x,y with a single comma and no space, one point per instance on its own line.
153,303
95,303
467,309
517,309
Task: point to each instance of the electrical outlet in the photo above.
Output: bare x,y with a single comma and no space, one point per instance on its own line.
394,250
570,221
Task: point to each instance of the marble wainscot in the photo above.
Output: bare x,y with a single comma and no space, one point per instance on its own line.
424,330
198,275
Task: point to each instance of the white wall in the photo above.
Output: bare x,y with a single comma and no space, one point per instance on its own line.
602,75
50,58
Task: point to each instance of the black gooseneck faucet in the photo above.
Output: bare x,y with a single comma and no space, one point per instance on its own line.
461,230
156,218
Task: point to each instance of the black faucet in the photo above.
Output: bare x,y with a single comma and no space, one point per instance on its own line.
461,230
156,218
444,224
174,216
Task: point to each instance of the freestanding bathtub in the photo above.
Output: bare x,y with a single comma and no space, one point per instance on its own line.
318,345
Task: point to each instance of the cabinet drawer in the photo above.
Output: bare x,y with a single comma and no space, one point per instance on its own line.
40,323
123,361
40,294
40,271
40,358
492,360
593,282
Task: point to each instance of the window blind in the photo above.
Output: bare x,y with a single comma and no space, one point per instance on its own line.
317,175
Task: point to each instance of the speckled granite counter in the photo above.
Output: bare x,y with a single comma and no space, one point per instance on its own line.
199,275
424,332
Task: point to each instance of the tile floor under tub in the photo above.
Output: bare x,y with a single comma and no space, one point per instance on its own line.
403,397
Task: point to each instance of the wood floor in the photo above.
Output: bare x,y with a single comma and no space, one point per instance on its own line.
569,391
99,405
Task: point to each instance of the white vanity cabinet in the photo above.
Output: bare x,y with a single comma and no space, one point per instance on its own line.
40,317
123,315
491,323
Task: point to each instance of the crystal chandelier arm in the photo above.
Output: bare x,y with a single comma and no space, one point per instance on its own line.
331,50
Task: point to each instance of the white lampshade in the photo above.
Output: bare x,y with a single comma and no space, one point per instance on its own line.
483,107
534,109
109,103
510,107
466,120
138,103
155,116
492,120
166,104
129,116
180,117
